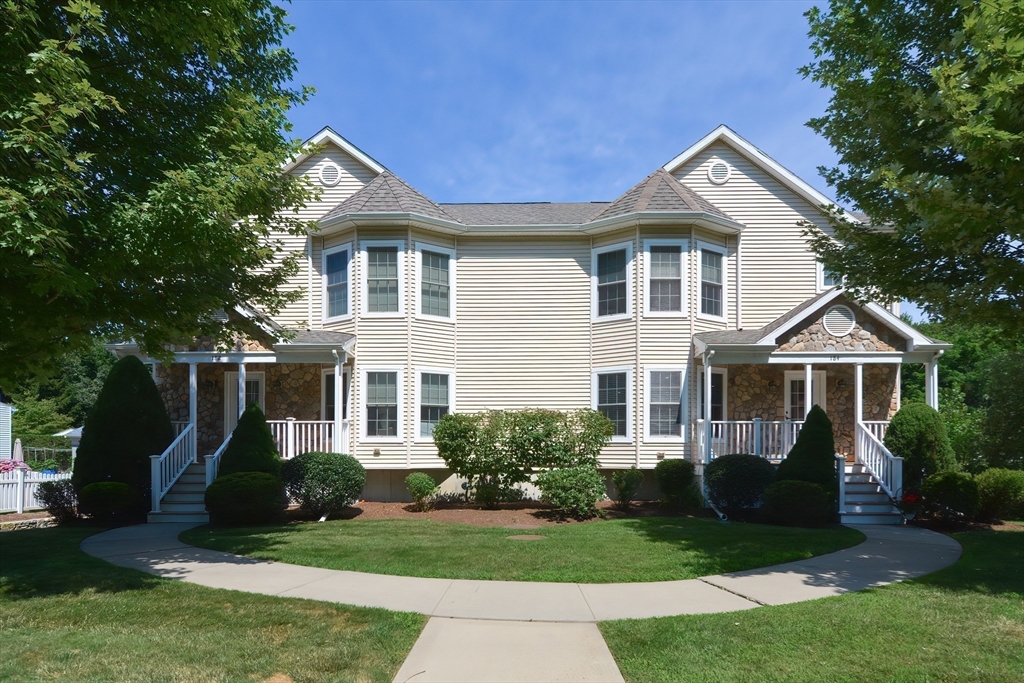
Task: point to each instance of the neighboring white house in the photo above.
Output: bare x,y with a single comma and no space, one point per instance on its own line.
6,417
424,308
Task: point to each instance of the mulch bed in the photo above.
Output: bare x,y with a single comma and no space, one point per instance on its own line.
524,515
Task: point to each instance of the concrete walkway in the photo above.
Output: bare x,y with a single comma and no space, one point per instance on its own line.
504,631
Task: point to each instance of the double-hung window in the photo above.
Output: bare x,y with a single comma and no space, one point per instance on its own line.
665,277
435,400
382,400
382,279
712,283
337,278
612,388
436,281
611,268
664,403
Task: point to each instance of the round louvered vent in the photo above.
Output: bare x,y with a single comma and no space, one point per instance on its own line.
839,321
330,174
719,172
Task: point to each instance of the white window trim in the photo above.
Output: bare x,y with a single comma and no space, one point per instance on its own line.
231,389
630,402
594,253
724,372
364,270
417,437
724,251
819,379
324,308
418,297
399,438
346,375
819,273
683,403
684,257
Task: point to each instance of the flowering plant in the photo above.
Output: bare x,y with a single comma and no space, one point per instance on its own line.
7,465
910,503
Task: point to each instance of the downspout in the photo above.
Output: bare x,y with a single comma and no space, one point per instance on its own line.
739,281
409,393
309,282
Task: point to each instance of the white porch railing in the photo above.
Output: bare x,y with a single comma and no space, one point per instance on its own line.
877,428
294,437
886,467
771,440
179,426
168,466
18,489
213,461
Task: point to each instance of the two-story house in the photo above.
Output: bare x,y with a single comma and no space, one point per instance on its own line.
689,310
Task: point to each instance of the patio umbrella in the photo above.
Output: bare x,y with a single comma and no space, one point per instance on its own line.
16,454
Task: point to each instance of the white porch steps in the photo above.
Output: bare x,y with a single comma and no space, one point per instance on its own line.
865,502
184,502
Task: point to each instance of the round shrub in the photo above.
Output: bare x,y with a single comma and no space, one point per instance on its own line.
1002,494
627,483
792,502
575,490
737,482
951,495
252,447
245,498
917,434
675,479
422,488
813,456
58,497
105,500
322,483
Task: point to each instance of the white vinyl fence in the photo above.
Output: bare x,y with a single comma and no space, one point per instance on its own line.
18,489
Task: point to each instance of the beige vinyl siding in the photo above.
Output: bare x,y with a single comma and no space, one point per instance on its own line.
524,324
354,176
779,271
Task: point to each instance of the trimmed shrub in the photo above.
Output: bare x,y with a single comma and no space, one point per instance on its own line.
917,434
813,456
675,479
575,490
952,496
423,489
127,424
322,483
105,500
737,482
627,483
252,447
1002,494
792,502
58,497
246,498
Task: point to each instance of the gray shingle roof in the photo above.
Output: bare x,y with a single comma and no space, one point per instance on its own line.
753,336
660,191
387,193
320,337
538,213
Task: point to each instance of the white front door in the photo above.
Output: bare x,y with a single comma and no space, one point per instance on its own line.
253,394
796,393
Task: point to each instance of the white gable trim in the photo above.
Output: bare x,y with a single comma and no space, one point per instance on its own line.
797,319
728,136
327,135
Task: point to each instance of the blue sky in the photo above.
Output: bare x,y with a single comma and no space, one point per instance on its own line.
554,101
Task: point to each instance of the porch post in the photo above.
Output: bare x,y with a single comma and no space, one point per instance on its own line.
858,408
808,388
339,378
241,388
708,431
931,378
193,407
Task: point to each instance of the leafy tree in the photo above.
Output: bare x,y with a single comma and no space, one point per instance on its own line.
127,425
1004,424
813,456
140,172
927,121
252,447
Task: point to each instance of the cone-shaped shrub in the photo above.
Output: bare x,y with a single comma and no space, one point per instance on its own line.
813,456
128,423
918,435
252,447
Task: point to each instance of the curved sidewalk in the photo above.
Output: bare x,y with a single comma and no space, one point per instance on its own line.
889,554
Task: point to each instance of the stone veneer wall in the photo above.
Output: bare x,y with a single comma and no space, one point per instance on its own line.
865,336
290,390
750,396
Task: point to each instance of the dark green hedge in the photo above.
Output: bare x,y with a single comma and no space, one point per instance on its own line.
813,456
917,434
252,447
737,481
322,483
797,503
246,498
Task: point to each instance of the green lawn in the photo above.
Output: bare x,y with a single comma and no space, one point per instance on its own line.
67,616
642,549
965,623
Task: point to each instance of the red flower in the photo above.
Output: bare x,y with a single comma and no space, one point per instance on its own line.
910,498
